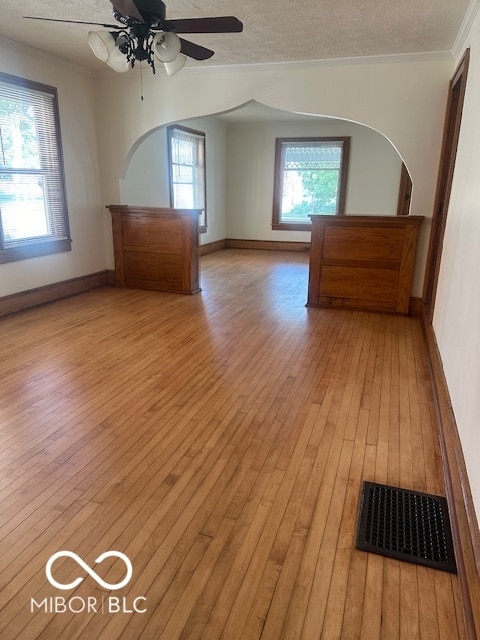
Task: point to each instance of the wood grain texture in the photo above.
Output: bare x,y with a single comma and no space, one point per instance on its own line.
220,441
156,248
363,243
363,262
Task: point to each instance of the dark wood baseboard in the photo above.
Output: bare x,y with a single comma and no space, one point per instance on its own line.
211,247
464,522
267,245
35,297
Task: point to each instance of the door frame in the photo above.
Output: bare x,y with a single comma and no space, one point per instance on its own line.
451,132
404,192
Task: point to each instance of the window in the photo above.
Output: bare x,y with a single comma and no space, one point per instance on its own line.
187,170
310,178
33,211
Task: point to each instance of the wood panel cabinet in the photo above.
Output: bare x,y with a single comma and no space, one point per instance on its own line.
362,262
156,248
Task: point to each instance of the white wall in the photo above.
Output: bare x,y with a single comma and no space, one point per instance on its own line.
146,181
373,179
404,100
457,311
76,96
246,154
146,177
103,119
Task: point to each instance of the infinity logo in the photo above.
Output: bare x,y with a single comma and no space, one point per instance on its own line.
95,576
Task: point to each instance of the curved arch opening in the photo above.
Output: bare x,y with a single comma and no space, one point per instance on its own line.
240,148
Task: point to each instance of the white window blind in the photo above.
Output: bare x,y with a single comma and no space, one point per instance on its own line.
32,195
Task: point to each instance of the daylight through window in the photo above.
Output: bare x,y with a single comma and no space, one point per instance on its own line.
33,212
310,178
187,170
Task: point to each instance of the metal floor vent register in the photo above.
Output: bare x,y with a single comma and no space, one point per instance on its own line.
406,525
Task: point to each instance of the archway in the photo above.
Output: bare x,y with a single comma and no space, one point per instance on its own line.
240,158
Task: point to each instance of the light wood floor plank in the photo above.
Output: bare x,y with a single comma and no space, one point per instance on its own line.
220,441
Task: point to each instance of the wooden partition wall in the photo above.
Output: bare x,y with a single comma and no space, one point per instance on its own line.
362,262
156,248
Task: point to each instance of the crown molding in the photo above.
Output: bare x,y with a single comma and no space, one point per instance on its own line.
460,41
295,65
428,56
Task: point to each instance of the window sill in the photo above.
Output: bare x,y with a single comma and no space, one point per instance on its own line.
292,226
12,254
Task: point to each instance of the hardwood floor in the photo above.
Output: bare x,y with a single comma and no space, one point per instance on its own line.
220,442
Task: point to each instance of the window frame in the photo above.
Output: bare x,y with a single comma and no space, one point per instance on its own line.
35,247
277,222
201,135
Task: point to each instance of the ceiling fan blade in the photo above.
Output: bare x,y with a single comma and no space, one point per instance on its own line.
98,24
128,9
195,51
221,24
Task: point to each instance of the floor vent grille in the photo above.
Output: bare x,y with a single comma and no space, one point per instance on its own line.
406,525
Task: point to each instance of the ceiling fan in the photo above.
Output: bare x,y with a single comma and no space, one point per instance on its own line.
143,33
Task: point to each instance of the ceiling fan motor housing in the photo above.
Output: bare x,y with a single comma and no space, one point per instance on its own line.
152,11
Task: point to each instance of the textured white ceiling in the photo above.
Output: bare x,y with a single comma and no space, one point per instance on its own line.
274,30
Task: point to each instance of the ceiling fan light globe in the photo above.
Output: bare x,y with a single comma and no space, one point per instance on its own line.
166,46
177,65
102,43
118,61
